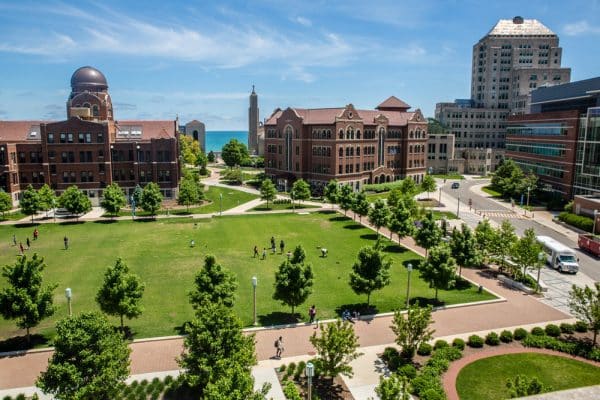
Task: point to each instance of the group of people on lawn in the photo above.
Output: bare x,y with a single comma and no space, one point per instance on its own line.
273,249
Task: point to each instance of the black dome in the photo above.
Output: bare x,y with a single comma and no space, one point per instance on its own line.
88,77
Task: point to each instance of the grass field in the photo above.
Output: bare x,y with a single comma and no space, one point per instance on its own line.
159,252
279,206
491,191
448,176
485,379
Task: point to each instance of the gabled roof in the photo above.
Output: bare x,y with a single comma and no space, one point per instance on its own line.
18,131
393,102
327,116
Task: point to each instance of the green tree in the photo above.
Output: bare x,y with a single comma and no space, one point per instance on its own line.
189,193
235,383
395,387
5,202
408,187
214,347
299,255
113,199
585,306
30,202
268,192
121,292
189,149
525,252
394,196
213,284
428,184
464,248
293,283
379,214
137,195
300,190
233,176
90,360
336,348
202,162
332,192
346,198
412,329
361,205
429,234
211,156
401,221
523,385
24,298
234,152
439,270
435,127
151,198
370,272
503,242
485,235
75,201
511,181
47,198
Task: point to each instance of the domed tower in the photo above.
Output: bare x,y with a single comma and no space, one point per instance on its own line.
89,98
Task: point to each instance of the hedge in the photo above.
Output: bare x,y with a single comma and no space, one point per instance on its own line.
578,221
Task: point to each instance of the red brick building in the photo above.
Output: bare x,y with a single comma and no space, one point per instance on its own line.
88,149
353,146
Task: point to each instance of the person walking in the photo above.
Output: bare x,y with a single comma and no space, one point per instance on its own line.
281,246
28,242
264,255
14,239
312,313
279,347
66,241
255,251
21,248
36,233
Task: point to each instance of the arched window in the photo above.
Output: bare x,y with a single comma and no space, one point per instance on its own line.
350,133
358,133
341,133
86,105
358,151
411,135
341,152
328,134
288,130
95,111
410,149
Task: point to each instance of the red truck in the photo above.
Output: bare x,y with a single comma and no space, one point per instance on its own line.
590,243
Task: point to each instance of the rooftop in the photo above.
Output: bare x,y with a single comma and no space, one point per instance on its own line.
519,26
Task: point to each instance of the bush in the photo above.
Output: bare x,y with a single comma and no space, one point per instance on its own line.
290,391
168,380
392,358
578,221
449,353
492,339
552,330
537,331
7,398
432,394
300,368
424,349
458,343
506,336
440,344
408,371
581,326
20,396
475,341
567,328
520,334
282,368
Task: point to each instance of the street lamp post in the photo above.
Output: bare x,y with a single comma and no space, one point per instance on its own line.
220,203
440,199
409,267
526,207
68,295
541,257
458,206
310,372
596,212
254,284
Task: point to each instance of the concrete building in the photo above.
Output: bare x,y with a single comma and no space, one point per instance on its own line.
444,158
197,131
90,148
253,124
355,147
560,140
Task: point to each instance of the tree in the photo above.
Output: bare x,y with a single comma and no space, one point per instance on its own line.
75,201
233,176
511,181
189,149
379,215
336,348
394,197
268,192
189,193
346,198
361,205
5,202
370,272
151,198
503,242
429,234
439,270
214,284
300,190
47,198
395,387
202,162
113,199
428,184
30,202
24,298
90,360
215,348
525,252
299,255
585,305
293,283
413,329
435,127
121,292
234,152
211,156
484,238
332,192
408,187
235,384
464,248
401,221
137,195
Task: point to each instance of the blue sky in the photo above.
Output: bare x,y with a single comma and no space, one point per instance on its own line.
200,59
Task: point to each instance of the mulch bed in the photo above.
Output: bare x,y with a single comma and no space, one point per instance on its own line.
323,388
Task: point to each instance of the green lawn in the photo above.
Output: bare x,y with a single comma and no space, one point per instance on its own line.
286,206
160,253
485,379
448,176
12,216
443,214
491,191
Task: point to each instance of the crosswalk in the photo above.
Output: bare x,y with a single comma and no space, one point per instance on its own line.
505,214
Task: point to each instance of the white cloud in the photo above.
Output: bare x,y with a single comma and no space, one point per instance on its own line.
581,28
303,21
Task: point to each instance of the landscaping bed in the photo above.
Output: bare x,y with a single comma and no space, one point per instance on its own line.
294,382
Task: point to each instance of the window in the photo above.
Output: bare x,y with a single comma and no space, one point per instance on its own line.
100,137
101,168
297,151
63,138
69,138
50,137
95,112
80,138
88,138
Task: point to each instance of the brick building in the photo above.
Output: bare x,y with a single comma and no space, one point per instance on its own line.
353,146
88,149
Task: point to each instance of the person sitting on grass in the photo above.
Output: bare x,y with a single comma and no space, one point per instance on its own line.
346,316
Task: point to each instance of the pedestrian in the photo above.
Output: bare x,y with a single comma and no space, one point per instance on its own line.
281,246
28,243
312,313
264,255
21,247
273,244
192,243
278,347
14,239
255,251
66,240
36,233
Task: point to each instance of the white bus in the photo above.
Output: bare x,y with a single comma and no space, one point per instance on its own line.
559,256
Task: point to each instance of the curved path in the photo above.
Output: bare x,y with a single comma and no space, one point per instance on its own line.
449,378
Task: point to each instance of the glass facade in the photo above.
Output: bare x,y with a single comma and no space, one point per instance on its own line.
542,169
587,164
541,129
542,149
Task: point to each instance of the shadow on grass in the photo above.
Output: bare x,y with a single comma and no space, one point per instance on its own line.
180,329
353,226
423,301
145,219
278,318
395,248
26,225
416,263
362,308
106,221
327,212
262,209
369,236
462,284
67,223
20,343
340,218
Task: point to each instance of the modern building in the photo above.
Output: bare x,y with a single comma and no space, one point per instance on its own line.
197,131
560,140
253,124
515,57
90,148
355,147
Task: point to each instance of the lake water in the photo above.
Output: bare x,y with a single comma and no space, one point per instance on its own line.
215,140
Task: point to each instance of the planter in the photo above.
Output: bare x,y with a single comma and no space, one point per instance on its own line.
514,284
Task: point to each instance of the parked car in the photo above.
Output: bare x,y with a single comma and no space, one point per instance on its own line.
455,185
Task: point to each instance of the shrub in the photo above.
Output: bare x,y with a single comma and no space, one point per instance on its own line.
458,343
290,391
168,380
432,394
424,349
282,368
408,371
492,339
291,367
388,353
440,344
20,396
578,221
567,328
537,331
520,334
300,368
581,326
475,341
7,398
552,330
506,336
449,353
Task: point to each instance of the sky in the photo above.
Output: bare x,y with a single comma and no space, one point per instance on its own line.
199,59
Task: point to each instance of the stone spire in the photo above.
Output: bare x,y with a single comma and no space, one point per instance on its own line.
253,120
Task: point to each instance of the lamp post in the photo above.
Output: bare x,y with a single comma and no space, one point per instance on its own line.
220,203
528,190
254,284
458,206
440,199
409,267
310,372
68,295
541,256
596,212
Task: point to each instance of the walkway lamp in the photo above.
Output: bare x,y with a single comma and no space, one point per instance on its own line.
69,295
541,257
254,284
528,190
310,372
409,267
220,203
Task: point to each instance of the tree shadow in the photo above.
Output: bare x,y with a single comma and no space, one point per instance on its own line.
340,218
353,226
17,343
462,284
180,329
278,318
394,248
106,221
423,301
67,223
327,212
144,219
369,236
362,308
26,225
179,390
